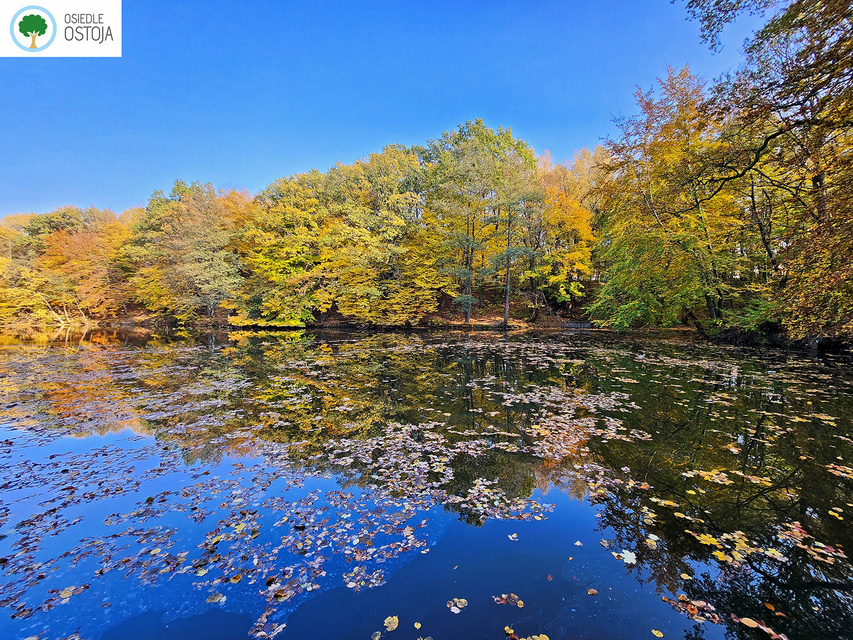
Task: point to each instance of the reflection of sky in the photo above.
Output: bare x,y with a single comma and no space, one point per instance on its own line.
174,594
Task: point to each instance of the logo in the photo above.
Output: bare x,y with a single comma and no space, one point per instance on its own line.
33,29
61,29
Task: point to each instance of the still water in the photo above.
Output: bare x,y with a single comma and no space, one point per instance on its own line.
438,486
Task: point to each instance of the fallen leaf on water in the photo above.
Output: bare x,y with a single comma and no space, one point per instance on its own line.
216,597
549,577
376,635
592,592
391,623
657,633
770,606
578,543
685,576
505,598
749,622
513,537
521,604
417,625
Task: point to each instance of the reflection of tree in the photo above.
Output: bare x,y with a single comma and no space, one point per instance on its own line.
761,470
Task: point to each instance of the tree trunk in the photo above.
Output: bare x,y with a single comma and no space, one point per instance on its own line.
506,300
712,307
55,315
820,197
86,320
33,44
468,302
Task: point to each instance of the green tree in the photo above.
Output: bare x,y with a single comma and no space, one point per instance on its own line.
667,235
467,179
33,26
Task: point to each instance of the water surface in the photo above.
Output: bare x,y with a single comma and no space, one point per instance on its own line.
481,485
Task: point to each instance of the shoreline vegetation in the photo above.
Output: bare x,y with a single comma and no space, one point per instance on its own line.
723,207
124,331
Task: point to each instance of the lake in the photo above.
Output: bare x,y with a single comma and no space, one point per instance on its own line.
422,485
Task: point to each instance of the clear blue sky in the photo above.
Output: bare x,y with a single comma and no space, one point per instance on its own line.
240,93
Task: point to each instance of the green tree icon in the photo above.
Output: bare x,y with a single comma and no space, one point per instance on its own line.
33,26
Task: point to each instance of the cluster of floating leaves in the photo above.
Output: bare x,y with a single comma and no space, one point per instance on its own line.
511,635
696,610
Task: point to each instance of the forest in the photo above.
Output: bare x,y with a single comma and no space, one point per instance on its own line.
726,206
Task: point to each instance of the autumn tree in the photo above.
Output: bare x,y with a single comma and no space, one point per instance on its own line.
279,251
791,110
80,268
371,262
557,236
180,249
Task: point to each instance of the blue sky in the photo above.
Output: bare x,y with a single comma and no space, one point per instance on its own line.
240,93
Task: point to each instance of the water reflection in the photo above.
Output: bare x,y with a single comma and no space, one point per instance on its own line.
266,468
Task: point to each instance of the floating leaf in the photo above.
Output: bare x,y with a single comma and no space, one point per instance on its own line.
417,625
391,623
592,592
657,634
749,622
